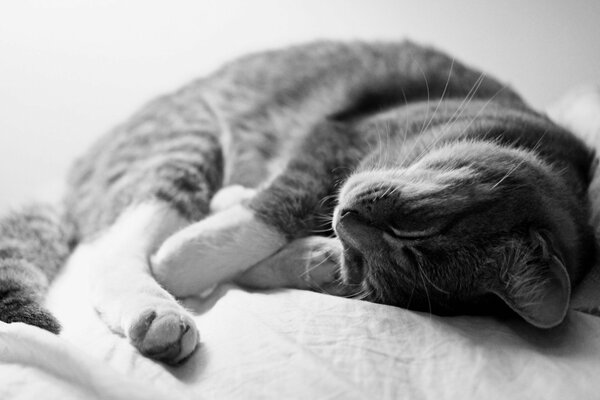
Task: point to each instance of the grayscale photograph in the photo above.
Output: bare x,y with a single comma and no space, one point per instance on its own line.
319,200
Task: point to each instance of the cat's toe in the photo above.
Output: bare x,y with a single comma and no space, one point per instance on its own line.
167,336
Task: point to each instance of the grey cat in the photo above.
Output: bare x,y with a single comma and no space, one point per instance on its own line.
383,171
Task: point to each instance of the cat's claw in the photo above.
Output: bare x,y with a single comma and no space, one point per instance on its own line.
167,336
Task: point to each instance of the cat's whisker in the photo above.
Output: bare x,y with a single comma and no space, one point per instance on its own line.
387,192
327,198
426,291
412,292
539,141
386,154
460,109
361,291
428,95
470,94
325,218
365,291
388,143
308,269
379,150
393,189
512,170
325,230
465,129
406,124
464,103
456,115
383,154
441,98
364,295
436,287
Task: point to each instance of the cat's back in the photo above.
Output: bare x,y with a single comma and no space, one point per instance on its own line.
259,107
261,100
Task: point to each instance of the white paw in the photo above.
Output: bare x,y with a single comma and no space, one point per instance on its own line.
214,250
230,196
164,334
308,263
322,262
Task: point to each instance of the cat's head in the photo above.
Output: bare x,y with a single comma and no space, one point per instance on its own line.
471,227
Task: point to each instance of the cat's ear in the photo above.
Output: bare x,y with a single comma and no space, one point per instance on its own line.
535,283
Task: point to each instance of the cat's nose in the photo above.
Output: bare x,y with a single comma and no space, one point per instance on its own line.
357,231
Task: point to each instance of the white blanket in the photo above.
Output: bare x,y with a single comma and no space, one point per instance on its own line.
292,344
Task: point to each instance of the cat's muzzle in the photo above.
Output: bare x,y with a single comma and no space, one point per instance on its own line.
359,237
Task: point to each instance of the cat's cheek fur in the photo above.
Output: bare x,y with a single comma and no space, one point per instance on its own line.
214,250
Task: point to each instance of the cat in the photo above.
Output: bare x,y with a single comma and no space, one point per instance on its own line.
388,172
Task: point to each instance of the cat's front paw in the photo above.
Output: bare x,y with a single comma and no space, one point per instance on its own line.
308,263
165,335
213,251
322,262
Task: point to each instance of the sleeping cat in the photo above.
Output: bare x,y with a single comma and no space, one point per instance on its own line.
383,171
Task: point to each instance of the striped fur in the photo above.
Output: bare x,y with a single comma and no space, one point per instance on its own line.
34,242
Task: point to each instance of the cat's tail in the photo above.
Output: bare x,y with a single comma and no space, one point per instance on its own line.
34,243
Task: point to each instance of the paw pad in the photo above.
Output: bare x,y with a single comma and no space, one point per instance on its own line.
166,336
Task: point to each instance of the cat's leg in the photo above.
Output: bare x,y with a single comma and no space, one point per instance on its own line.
125,294
137,189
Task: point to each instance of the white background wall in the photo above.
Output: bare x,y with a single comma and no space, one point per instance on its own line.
71,69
